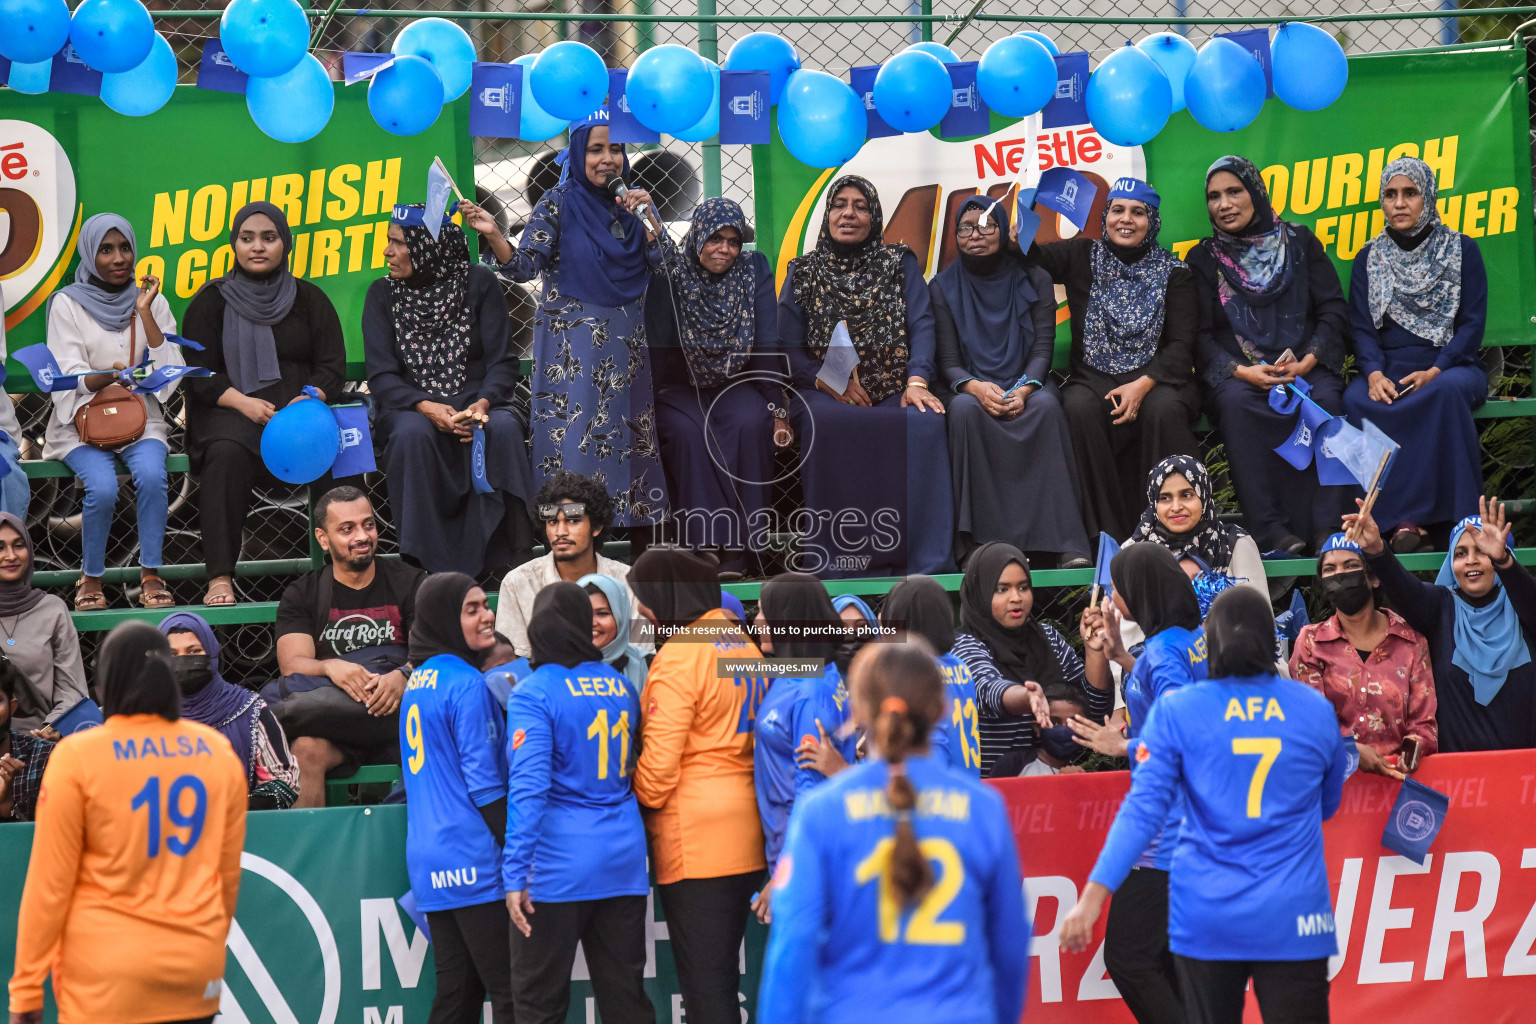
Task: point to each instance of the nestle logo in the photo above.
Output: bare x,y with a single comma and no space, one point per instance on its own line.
13,162
1005,158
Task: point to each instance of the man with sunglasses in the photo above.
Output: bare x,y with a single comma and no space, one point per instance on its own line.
573,511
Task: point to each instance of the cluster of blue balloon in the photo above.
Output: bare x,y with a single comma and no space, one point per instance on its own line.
116,37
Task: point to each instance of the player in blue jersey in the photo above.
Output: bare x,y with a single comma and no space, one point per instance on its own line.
898,897
574,867
1152,590
456,799
1260,763
920,605
799,624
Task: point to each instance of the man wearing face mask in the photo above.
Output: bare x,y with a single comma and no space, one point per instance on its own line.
1372,665
271,773
1058,750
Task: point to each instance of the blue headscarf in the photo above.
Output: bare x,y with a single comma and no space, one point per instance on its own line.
1489,640
600,266
112,309
233,710
842,601
1127,297
731,603
617,593
989,298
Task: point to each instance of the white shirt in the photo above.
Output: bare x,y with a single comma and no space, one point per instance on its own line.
79,343
523,584
1037,767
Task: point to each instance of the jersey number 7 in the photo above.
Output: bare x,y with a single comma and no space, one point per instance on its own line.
1268,749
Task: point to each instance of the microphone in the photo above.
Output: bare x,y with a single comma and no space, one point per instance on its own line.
617,188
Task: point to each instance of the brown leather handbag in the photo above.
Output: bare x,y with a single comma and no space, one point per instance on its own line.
115,416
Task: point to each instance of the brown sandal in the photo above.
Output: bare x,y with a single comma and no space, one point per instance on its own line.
153,593
220,593
92,600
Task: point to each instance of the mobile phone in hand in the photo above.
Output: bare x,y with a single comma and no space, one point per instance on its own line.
1409,761
1403,391
1286,357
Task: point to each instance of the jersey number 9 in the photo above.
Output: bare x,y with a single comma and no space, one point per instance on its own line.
924,927
149,799
414,739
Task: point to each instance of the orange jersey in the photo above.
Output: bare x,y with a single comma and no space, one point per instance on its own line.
134,873
695,768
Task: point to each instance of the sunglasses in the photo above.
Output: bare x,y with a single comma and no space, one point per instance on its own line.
574,512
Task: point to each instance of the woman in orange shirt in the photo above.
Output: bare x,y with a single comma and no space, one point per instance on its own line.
695,776
137,847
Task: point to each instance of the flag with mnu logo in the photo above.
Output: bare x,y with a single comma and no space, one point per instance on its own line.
1416,819
1310,420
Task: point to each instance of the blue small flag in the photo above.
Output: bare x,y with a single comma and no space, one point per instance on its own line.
863,81
163,375
1415,820
1068,193
744,108
1069,106
1256,42
477,462
354,456
1108,549
416,914
1027,219
439,188
218,72
1310,417
72,74
356,67
83,714
841,360
44,368
623,125
968,115
1352,456
1290,621
495,100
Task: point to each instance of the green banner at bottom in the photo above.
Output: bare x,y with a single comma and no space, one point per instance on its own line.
318,937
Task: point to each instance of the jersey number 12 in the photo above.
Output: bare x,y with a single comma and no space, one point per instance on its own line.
924,928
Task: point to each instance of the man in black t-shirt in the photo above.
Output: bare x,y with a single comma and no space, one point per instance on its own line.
341,645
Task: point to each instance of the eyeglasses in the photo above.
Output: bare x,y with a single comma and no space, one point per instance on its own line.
967,230
574,512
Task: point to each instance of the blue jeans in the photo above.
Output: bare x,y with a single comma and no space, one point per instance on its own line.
15,488
97,470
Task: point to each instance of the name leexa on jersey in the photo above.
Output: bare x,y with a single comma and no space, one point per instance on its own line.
458,876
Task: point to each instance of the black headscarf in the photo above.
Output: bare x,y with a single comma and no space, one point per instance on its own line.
1240,634
862,284
252,305
133,673
717,317
677,585
1155,590
438,627
1021,654
430,309
560,627
1211,540
920,605
990,299
799,600
1255,268
21,596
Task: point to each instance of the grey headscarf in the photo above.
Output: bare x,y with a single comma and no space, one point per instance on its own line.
1419,288
113,310
252,305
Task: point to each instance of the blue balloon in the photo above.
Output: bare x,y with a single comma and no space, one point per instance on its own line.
939,50
32,79
265,38
146,88
821,119
1175,55
112,35
568,80
1041,38
406,97
294,107
668,88
1017,76
1128,97
1225,89
913,91
32,31
1309,65
536,124
300,442
765,51
709,125
446,47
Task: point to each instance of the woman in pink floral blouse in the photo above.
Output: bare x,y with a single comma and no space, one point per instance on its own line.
1371,664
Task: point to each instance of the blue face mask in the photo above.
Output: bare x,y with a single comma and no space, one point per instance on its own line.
1060,742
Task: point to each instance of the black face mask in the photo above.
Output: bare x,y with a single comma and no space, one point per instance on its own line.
192,672
1059,742
1347,591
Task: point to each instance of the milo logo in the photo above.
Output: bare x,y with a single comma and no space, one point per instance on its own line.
37,213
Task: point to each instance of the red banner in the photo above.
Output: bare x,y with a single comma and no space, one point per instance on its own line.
1456,935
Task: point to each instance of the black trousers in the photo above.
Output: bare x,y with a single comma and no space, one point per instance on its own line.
1288,991
472,950
1136,950
706,920
612,935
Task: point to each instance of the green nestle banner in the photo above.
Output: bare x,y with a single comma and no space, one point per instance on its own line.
318,937
1466,113
180,175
